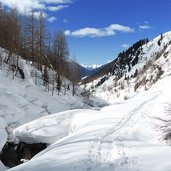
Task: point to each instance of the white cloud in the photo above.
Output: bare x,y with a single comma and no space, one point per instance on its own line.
145,27
23,6
118,27
37,14
57,8
68,33
89,32
52,19
99,32
58,1
26,6
125,46
65,21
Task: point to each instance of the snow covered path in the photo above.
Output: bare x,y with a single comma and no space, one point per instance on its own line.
113,140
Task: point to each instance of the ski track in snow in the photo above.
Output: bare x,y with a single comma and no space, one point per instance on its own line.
97,155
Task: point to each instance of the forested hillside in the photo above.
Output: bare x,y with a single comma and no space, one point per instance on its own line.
28,37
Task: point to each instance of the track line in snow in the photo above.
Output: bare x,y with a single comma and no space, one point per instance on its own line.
98,156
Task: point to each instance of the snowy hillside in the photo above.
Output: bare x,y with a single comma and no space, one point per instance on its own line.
23,100
124,80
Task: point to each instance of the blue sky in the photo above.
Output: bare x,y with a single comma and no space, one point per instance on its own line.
97,30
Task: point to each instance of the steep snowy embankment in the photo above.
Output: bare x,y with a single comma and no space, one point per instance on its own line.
23,100
128,135
154,63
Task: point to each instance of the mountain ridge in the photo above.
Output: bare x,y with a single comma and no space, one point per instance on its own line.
149,57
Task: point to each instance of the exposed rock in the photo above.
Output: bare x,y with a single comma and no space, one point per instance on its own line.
27,151
14,154
9,155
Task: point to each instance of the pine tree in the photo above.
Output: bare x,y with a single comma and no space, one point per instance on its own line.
45,78
75,75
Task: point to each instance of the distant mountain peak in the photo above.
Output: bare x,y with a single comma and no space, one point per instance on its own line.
91,67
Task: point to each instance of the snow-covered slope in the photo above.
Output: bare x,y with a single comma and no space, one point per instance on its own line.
3,133
22,101
153,63
127,136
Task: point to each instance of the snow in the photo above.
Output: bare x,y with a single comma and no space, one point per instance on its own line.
3,139
91,67
3,133
2,167
22,101
110,91
128,135
51,128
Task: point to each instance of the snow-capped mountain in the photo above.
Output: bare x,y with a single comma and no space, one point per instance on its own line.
91,67
84,70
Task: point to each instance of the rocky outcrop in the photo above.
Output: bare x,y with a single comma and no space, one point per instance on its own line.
14,154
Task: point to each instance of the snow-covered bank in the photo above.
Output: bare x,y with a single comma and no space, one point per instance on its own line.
51,128
3,133
24,100
125,136
3,139
2,167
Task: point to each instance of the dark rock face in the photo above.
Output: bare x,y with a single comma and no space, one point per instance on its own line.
16,69
27,151
13,153
9,155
